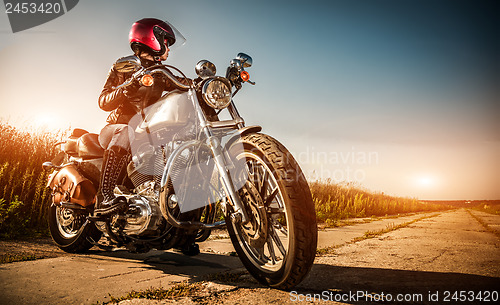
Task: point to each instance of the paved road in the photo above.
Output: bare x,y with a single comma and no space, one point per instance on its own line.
452,251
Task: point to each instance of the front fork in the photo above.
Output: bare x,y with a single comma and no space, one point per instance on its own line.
239,215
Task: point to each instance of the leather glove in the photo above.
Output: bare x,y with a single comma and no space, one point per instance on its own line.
130,89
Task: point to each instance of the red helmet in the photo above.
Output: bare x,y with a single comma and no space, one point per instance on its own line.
150,35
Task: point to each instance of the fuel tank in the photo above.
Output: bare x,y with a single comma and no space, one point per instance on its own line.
168,115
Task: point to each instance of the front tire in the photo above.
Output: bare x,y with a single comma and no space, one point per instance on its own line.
278,245
67,231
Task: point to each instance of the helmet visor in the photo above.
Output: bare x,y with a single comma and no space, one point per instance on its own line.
180,40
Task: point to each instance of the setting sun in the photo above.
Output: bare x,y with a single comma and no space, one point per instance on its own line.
46,120
425,181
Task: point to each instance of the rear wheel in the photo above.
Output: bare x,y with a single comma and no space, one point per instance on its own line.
278,244
67,230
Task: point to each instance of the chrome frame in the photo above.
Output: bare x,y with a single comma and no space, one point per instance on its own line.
239,215
207,127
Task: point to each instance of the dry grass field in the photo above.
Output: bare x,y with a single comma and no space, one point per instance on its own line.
24,198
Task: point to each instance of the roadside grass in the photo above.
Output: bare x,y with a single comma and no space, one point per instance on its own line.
491,207
371,234
484,224
390,227
335,202
355,221
24,198
18,257
225,277
181,290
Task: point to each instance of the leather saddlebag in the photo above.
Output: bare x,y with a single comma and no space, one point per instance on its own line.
68,185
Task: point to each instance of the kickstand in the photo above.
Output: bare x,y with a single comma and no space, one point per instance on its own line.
102,247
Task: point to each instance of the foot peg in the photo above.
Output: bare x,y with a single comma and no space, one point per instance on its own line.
116,205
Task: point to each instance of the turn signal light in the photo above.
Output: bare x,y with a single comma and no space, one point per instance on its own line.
245,76
147,80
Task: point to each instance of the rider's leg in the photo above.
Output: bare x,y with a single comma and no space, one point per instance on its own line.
116,140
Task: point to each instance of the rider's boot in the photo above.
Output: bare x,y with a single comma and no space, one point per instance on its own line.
113,165
190,249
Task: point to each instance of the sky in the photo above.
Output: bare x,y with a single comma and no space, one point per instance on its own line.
400,97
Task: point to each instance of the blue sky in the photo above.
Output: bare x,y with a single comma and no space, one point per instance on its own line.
397,96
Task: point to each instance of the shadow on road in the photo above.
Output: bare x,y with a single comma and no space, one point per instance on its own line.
350,285
419,287
173,263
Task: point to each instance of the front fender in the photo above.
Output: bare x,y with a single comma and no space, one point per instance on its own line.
241,132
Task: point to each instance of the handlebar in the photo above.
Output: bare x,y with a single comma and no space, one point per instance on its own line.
143,71
171,77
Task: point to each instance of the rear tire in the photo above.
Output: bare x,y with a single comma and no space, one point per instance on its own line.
66,229
277,246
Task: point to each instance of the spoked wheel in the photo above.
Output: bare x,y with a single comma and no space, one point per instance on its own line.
68,231
68,223
278,244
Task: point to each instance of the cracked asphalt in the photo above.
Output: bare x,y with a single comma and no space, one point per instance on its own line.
425,261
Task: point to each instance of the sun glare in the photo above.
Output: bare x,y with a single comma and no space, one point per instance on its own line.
46,120
425,181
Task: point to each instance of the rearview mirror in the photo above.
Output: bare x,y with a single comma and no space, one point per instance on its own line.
128,64
245,59
205,68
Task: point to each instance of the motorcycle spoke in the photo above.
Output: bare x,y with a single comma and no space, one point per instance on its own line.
271,197
68,222
268,254
270,248
261,255
259,176
251,170
277,241
272,210
280,227
264,184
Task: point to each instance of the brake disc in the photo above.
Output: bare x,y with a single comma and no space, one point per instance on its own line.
255,232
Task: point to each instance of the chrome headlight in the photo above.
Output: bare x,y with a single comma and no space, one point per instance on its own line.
217,92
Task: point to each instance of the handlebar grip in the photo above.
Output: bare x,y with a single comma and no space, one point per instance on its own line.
134,76
165,72
169,75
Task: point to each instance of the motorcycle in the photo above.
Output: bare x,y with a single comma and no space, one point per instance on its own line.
195,167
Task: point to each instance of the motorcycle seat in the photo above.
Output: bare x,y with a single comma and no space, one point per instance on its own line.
83,144
89,147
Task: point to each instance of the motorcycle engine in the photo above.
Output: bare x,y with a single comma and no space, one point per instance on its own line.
143,217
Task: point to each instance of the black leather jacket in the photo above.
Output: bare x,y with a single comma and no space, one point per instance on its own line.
124,106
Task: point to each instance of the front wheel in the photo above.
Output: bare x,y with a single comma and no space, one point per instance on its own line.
278,244
67,230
